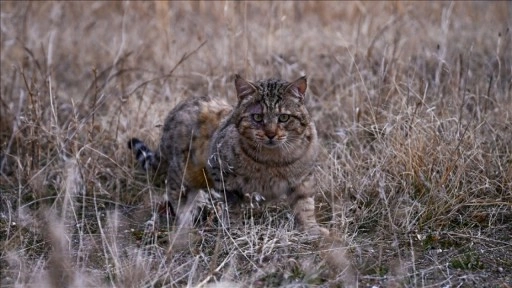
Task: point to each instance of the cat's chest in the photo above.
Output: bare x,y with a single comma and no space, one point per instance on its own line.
264,181
270,188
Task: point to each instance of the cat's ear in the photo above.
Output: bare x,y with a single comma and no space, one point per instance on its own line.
298,88
243,87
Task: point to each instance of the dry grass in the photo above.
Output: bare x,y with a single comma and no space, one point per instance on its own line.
412,102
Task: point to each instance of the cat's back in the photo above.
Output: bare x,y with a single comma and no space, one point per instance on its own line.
193,112
186,134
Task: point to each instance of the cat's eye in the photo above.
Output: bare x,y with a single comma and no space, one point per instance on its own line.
283,117
257,117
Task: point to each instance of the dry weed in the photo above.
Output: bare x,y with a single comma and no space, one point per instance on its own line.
412,102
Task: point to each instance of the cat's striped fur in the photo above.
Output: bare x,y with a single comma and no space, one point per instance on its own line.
265,147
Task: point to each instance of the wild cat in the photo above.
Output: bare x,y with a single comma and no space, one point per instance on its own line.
264,148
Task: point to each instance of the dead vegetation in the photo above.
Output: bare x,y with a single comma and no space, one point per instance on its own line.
412,102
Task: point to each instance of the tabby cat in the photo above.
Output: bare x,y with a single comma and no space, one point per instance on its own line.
264,148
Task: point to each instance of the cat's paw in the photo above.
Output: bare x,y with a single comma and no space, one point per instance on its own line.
254,199
317,231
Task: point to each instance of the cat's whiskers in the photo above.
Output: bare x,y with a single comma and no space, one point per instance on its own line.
292,140
287,147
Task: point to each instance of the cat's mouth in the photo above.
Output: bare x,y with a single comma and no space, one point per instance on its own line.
271,143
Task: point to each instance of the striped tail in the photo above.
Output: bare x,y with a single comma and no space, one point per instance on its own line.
146,158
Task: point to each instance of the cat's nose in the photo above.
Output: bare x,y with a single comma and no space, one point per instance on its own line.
270,134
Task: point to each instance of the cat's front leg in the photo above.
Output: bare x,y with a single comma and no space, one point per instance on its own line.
304,210
303,206
224,178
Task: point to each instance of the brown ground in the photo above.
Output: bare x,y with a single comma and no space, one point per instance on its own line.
412,102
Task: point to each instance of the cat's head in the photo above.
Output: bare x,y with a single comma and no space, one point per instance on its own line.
272,112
